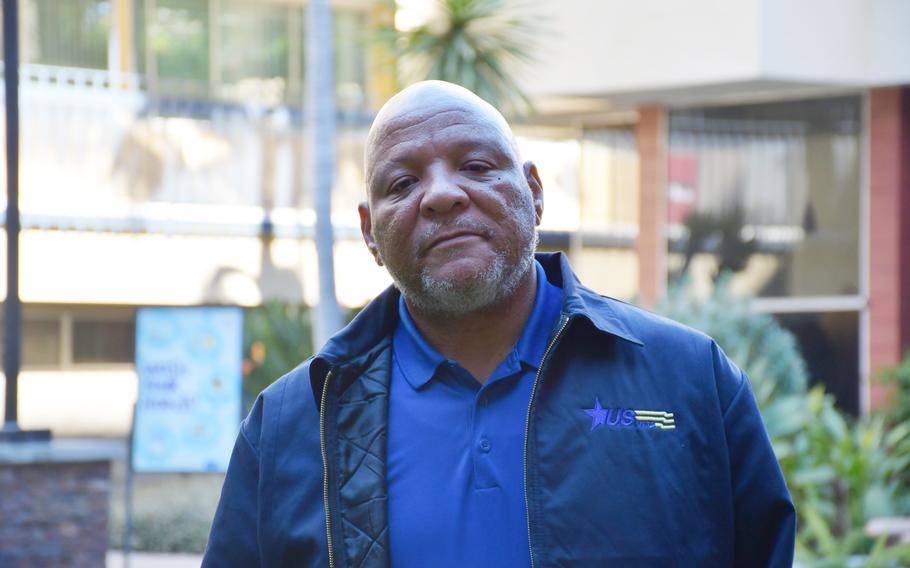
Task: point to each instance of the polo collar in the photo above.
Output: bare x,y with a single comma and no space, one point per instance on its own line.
419,361
415,357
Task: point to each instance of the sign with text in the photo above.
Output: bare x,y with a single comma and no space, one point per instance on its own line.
189,365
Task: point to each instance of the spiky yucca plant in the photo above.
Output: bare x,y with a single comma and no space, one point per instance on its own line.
473,43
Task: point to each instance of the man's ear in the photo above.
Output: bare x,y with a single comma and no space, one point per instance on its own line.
366,229
533,179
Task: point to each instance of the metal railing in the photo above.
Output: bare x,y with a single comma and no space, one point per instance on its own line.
99,152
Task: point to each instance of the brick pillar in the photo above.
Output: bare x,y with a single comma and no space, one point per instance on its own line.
652,140
54,503
889,232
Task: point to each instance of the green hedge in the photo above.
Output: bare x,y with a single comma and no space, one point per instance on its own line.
841,471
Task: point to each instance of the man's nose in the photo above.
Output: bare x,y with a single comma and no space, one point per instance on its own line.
442,194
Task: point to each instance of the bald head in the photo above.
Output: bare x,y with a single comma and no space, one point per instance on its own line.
451,210
418,104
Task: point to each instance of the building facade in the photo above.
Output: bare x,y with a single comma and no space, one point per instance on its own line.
163,162
773,142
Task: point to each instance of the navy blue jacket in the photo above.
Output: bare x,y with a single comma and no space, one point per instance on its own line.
306,482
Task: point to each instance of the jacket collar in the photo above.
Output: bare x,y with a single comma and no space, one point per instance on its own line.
379,318
374,323
579,300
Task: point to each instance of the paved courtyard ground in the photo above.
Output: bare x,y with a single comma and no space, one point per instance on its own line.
115,559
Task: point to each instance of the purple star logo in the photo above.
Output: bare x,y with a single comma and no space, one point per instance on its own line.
598,414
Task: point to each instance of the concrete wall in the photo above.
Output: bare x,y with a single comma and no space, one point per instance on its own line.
657,51
88,267
77,403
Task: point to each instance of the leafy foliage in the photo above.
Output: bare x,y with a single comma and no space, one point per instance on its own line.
171,512
897,414
841,472
898,378
277,338
473,43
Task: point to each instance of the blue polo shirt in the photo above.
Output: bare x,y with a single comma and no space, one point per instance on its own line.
456,448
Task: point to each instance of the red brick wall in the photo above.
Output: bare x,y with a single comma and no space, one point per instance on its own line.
54,515
651,137
889,231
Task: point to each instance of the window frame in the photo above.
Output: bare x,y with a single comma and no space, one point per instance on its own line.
66,316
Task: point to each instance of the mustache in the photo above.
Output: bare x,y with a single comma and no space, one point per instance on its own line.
433,231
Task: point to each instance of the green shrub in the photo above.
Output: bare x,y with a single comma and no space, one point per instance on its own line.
841,472
897,413
277,338
171,512
898,378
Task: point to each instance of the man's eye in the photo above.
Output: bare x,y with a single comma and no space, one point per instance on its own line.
401,184
477,167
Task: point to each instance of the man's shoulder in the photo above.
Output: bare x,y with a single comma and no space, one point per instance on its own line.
297,379
681,347
288,400
634,324
653,330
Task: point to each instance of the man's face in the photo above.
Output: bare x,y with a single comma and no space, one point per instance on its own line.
452,213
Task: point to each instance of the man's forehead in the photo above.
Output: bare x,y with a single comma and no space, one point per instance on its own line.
434,116
429,97
455,125
416,117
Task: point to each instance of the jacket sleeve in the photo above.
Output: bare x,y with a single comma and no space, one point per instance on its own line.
764,516
233,540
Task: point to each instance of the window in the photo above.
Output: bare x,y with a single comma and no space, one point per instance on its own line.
73,33
590,181
609,180
40,342
260,48
99,341
243,50
350,59
63,336
770,193
830,344
557,153
175,38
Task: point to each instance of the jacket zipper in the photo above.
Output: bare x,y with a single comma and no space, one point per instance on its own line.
325,470
540,367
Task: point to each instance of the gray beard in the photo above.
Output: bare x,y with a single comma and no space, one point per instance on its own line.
497,281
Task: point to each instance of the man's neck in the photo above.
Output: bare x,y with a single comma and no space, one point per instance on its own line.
481,339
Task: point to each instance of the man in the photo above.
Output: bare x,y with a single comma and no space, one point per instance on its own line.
489,410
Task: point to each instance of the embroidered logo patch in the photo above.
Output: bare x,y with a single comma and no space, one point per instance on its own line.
618,417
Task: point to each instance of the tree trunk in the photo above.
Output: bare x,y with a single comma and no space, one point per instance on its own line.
320,126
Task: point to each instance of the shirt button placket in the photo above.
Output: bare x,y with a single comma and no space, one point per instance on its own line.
484,477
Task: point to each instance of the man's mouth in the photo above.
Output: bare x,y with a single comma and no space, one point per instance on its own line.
460,232
453,237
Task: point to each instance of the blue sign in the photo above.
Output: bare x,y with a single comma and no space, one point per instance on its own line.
189,365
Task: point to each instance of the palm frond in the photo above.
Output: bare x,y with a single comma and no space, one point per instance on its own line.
478,44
